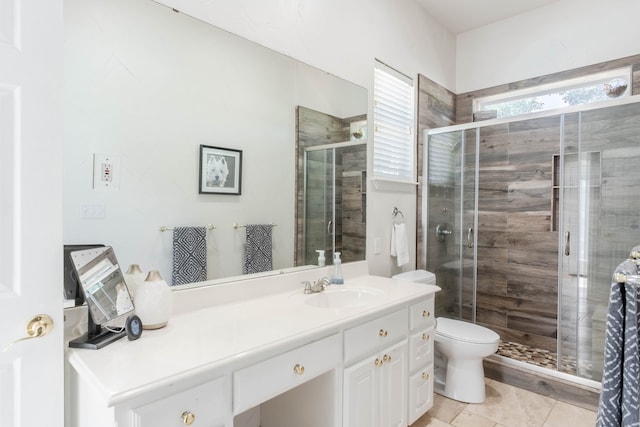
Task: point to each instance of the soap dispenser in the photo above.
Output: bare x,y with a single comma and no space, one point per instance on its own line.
336,277
321,259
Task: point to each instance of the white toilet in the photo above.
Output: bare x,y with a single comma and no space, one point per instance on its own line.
460,348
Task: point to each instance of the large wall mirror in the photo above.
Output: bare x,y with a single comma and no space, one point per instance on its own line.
145,87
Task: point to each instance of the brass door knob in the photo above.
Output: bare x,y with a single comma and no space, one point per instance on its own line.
37,327
188,418
425,376
383,333
386,358
425,337
298,369
378,362
426,313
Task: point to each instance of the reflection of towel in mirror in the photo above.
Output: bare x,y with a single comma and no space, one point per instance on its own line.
399,244
258,249
189,255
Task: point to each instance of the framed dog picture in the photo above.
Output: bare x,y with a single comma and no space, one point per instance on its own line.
220,170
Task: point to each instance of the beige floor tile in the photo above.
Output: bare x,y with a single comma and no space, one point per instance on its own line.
564,414
469,419
446,409
511,406
434,422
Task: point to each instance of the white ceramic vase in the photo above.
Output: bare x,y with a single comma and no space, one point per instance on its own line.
153,301
133,277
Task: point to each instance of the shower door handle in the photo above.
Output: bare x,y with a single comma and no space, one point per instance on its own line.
330,228
470,237
567,242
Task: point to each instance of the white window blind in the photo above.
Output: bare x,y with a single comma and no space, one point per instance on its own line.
393,118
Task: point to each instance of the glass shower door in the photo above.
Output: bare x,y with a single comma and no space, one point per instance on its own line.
599,189
449,202
319,204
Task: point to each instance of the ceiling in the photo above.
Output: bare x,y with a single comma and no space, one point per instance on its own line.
463,15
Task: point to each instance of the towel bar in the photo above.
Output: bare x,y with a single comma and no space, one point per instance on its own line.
622,278
208,227
242,225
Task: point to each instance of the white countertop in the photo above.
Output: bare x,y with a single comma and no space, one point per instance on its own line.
214,340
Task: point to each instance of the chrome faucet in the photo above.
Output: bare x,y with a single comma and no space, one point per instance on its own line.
318,286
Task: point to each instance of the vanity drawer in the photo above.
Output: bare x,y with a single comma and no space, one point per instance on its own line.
421,314
421,348
366,338
264,380
207,405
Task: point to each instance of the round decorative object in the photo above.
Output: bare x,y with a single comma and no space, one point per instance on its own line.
133,277
133,327
154,301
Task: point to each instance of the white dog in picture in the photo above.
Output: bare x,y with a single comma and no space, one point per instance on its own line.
217,171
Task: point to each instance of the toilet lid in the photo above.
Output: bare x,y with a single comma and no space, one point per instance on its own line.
465,331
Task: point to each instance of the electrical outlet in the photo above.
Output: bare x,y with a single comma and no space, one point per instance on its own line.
377,246
106,171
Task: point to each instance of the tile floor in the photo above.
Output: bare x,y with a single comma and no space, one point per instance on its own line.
505,406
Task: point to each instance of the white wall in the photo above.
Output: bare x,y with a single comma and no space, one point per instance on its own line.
563,35
149,86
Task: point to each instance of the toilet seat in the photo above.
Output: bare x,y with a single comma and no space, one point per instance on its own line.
464,331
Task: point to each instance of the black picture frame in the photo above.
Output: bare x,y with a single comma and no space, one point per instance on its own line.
220,170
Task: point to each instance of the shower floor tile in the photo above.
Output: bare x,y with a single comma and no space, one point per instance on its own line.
535,356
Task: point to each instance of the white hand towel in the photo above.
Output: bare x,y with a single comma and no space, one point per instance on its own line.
400,244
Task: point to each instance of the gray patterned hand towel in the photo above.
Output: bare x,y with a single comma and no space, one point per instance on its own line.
258,249
189,255
620,399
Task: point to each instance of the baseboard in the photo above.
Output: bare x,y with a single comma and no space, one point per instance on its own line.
566,391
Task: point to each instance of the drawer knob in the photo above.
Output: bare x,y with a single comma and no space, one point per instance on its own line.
386,358
425,337
378,362
426,313
298,369
188,418
382,333
425,376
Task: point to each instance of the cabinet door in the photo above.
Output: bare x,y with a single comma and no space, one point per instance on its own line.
420,393
361,393
393,386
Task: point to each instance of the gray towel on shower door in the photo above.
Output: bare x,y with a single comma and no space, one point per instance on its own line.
620,396
258,249
189,255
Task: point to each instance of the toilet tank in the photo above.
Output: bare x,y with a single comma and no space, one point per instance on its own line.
419,276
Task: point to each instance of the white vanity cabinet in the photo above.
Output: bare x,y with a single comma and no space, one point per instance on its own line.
294,362
422,326
375,386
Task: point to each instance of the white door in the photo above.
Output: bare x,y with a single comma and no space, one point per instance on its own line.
31,371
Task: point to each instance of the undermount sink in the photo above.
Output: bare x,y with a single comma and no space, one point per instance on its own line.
337,297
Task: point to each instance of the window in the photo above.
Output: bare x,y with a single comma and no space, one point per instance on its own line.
393,121
583,90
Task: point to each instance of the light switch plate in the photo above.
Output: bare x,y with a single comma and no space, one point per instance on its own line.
106,172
